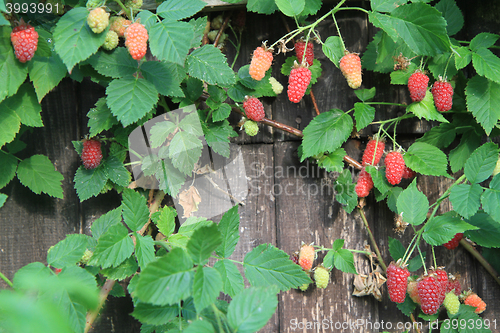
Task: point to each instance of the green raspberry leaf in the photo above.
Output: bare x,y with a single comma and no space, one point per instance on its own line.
379,179
488,234
386,6
266,265
251,309
46,73
102,224
207,286
486,64
165,220
185,150
67,252
333,49
260,6
483,39
131,98
326,133
116,64
170,40
440,136
413,205
174,10
10,123
396,249
481,163
144,250
73,38
154,314
203,243
39,175
135,209
122,271
463,57
100,118
421,27
232,281
344,261
365,95
483,100
426,109
229,230
290,8
115,171
167,280
26,105
345,193
452,14
469,142
333,162
217,136
491,199
12,72
221,113
441,229
209,64
465,199
8,167
401,76
426,159
113,247
162,75
89,183
364,115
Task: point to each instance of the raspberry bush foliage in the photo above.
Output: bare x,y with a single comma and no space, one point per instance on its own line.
165,62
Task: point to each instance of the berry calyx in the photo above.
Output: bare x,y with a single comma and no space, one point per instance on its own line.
254,109
474,300
306,257
118,24
397,281
373,151
429,292
394,167
277,87
262,59
136,39
251,127
91,154
451,303
24,38
300,46
364,184
321,277
98,20
417,85
299,79
350,66
111,41
453,243
442,91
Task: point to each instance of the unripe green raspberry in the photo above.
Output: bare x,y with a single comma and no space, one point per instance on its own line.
98,20
86,256
251,127
451,303
304,286
135,4
111,40
277,87
321,277
496,171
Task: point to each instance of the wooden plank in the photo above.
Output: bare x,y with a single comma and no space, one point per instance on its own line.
32,223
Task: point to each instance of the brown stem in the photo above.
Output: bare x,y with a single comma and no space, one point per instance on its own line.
153,207
472,250
353,162
372,239
412,317
314,103
205,39
103,295
221,30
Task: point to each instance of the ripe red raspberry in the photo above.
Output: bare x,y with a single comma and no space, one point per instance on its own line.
473,300
413,292
408,173
136,40
261,61
364,184
91,154
417,85
373,151
397,281
395,166
98,20
453,243
306,257
453,284
299,51
442,92
350,65
24,38
429,292
297,83
118,24
442,278
254,109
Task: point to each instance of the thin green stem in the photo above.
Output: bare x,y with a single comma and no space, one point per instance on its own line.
404,259
385,103
355,8
422,258
338,31
237,46
434,257
6,153
405,116
217,317
372,239
236,261
6,280
447,63
122,6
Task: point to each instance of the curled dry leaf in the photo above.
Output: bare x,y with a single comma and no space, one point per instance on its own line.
189,200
